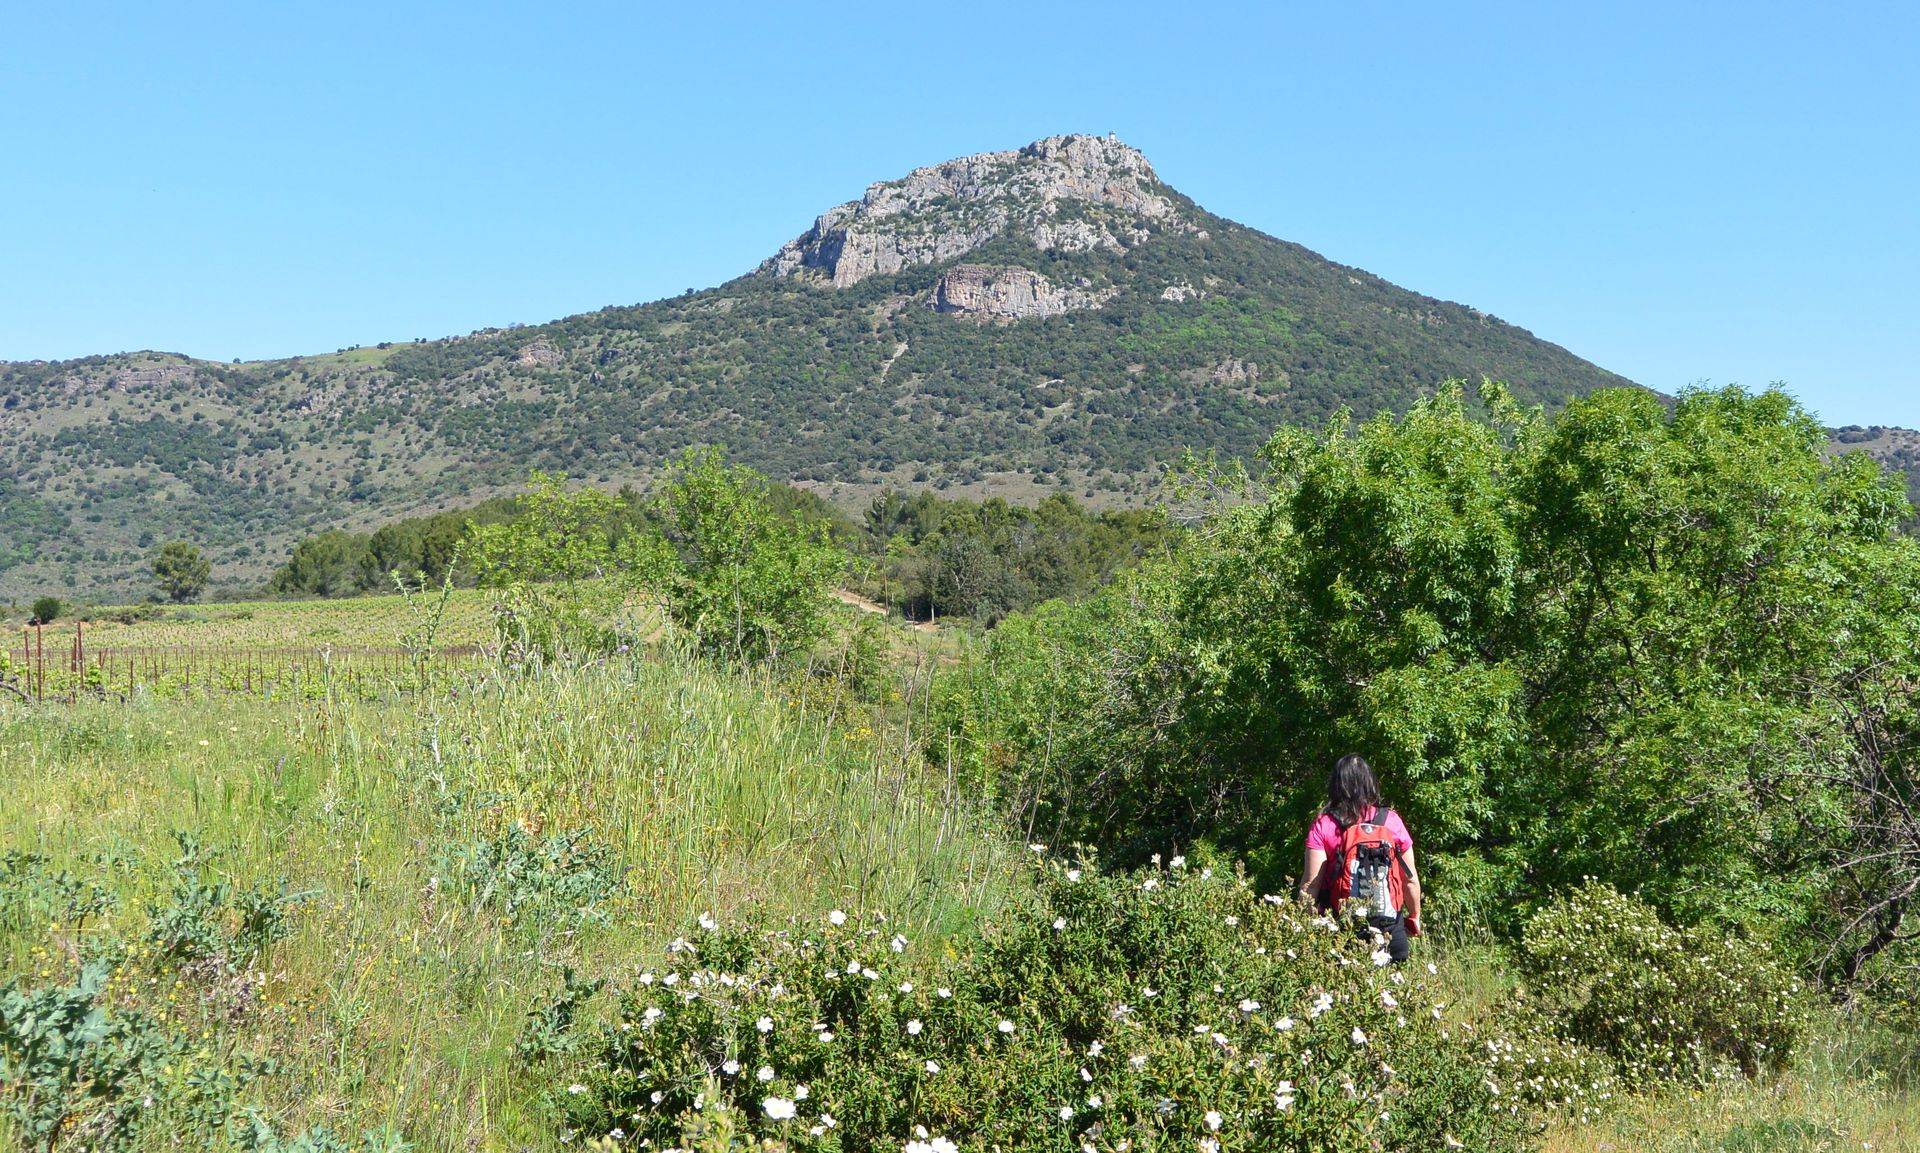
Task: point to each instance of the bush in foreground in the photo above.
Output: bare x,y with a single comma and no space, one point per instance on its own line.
1169,1008
1664,1004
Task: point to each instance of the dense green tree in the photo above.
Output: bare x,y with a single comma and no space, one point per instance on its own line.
181,570
324,565
46,610
1621,643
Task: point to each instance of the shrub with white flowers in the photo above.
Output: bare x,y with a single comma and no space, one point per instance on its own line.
1166,1017
1663,1004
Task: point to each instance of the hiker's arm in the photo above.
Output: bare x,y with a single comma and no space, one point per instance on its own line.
1310,872
1413,885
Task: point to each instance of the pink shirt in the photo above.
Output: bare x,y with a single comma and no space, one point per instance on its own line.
1325,834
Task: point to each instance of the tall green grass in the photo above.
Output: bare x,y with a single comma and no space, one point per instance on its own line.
398,998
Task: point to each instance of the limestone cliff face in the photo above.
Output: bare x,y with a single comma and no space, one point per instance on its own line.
1006,294
945,211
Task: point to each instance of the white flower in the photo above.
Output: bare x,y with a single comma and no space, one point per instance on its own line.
778,1108
943,993
1213,1120
646,978
837,917
826,1036
730,1067
708,923
1321,1004
1121,1010
1209,1145
1155,858
1095,1101
1073,874
869,974
1084,1074
1178,862
1359,1037
898,944
1038,848
1005,1026
1059,923
576,1089
1283,1101
932,1066
827,1120
906,986
1232,921
1150,884
764,1024
1433,968
1151,991
1206,874
799,1092
670,980
1382,957
1138,1061
1249,1005
764,1072
1066,1112
853,968
1388,999
1284,1024
1095,1049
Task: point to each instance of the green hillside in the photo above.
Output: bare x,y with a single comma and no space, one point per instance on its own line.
1054,316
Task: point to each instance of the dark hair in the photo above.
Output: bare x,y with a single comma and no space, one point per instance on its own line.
1352,792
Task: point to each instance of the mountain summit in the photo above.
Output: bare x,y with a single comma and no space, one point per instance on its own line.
1055,316
1064,193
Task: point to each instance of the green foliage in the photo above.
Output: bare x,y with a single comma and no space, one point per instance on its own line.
1662,647
1665,1004
181,570
46,610
938,557
554,567
1168,1008
213,920
328,564
748,584
563,877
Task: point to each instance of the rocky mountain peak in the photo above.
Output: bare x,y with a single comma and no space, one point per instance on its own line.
1064,192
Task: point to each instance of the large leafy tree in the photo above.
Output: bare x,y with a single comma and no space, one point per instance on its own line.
1667,645
181,570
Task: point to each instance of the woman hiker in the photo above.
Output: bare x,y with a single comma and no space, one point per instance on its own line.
1360,859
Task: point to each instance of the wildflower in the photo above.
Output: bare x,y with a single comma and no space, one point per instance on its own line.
1005,1026
678,945
1095,1101
1085,1075
1151,992
1213,1120
779,1108
646,978
1066,1112
898,944
764,1073
1138,1061
1233,922
943,993
670,980
1038,848
799,1092
837,917
730,1067
826,1036
914,1027
1321,1004
653,1013
1249,1005
1059,923
1209,1145
1150,884
1095,1049
764,1024
1433,968
576,1089
1359,1037
1177,863
1381,957
708,923
853,968
827,1120
906,986
1388,999
869,974
1284,1024
1073,874
932,1066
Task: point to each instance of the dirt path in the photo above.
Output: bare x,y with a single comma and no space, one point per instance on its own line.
867,606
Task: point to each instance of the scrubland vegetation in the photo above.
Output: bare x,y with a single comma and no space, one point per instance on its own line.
689,857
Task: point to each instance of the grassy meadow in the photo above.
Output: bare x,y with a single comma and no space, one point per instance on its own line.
438,857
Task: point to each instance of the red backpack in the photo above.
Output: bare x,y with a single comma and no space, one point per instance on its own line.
1367,867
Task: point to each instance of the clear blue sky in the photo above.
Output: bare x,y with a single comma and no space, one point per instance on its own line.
1679,192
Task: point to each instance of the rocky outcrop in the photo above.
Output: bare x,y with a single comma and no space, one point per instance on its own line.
1074,193
1007,294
